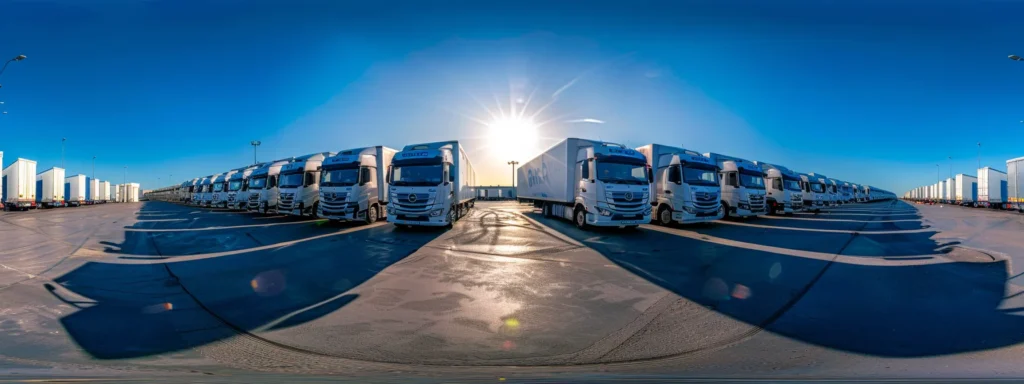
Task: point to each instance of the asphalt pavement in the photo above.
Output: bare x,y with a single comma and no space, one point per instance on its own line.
885,289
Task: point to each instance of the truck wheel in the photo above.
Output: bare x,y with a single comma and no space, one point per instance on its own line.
665,215
371,214
316,209
580,218
724,209
451,216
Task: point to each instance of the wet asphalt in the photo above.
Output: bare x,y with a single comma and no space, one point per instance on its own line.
886,289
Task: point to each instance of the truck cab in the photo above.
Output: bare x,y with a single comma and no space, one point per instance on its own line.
845,192
813,191
220,189
263,189
197,195
353,185
430,185
783,186
837,193
828,197
743,190
685,187
299,185
215,186
238,187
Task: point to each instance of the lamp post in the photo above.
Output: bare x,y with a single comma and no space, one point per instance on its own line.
513,163
254,143
16,58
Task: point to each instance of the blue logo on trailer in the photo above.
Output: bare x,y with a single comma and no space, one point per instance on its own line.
537,176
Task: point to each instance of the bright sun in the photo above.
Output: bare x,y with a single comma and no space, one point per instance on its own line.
513,138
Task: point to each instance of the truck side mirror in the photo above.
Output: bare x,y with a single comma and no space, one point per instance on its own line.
673,175
387,177
585,171
650,175
451,177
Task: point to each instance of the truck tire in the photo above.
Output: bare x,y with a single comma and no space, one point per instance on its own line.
665,215
451,216
725,210
580,218
371,214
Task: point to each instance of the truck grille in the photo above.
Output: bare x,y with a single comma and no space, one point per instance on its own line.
706,201
420,203
334,203
254,201
628,201
757,203
286,202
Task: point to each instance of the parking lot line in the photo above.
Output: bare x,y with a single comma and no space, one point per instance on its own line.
839,220
217,228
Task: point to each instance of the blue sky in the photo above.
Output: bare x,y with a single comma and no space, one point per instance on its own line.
876,92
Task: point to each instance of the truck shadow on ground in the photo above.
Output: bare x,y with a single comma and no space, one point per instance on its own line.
145,307
878,302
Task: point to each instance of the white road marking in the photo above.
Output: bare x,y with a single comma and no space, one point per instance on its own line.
823,213
218,228
18,270
156,259
839,220
162,220
826,230
857,260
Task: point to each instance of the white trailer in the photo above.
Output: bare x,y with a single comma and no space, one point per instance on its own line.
431,184
50,188
353,184
133,193
104,192
992,187
965,190
74,190
685,187
1015,183
20,185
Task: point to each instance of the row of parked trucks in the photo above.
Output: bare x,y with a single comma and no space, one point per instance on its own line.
426,184
991,188
22,188
589,182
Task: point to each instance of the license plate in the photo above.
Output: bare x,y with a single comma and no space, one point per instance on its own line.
629,222
295,212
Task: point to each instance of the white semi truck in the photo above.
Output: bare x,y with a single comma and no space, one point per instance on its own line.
50,188
92,190
814,192
20,185
829,196
238,187
206,195
992,187
299,185
218,191
74,190
430,184
353,184
590,183
846,192
685,187
263,189
783,186
742,181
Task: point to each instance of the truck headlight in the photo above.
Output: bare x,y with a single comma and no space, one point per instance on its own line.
647,211
608,195
689,210
604,212
436,212
744,206
646,196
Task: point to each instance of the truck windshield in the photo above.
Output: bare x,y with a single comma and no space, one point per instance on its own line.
291,180
340,177
218,187
751,179
424,175
258,182
790,184
817,187
700,175
235,185
622,173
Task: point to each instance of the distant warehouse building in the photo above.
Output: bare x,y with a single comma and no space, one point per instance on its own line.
495,192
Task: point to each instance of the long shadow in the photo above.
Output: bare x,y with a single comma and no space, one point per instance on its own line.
146,306
941,306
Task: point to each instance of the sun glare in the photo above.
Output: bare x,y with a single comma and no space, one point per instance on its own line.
513,138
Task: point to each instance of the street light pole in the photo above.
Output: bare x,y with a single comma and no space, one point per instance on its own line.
513,163
254,143
16,58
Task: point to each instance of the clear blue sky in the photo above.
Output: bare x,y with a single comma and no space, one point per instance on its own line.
869,91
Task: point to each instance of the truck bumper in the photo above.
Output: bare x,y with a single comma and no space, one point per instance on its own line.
609,221
439,221
746,212
683,217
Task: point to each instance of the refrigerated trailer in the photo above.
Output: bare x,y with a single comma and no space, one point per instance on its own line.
353,184
685,187
431,184
74,190
20,185
992,188
590,182
50,188
1015,184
